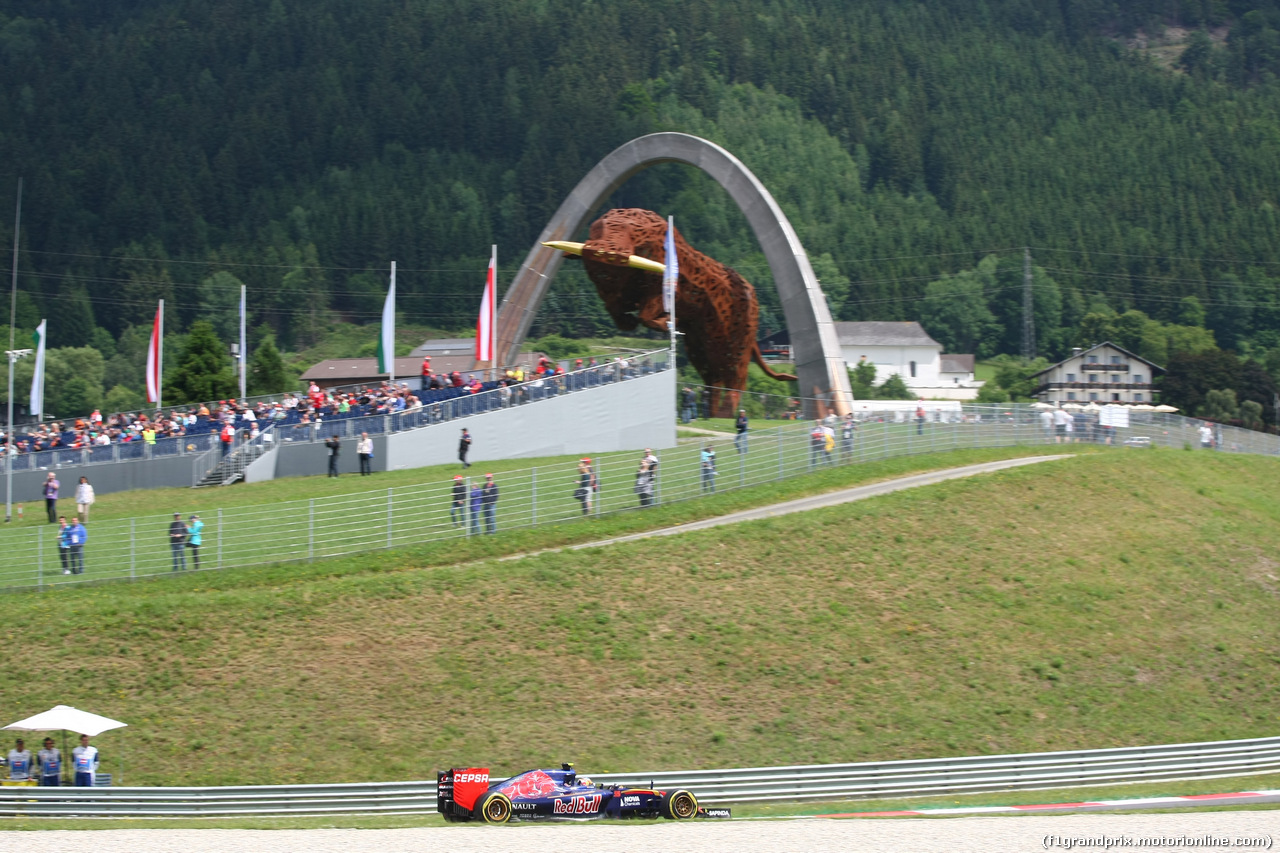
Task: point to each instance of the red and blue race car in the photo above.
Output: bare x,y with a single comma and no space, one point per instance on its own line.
468,794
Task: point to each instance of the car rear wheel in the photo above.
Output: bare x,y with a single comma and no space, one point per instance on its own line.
679,805
494,807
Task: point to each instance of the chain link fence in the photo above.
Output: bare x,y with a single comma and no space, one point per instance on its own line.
361,522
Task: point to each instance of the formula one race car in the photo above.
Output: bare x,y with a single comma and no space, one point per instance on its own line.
468,794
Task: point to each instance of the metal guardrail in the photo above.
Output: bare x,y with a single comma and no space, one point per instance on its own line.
911,778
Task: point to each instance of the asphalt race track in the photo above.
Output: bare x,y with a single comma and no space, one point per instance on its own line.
811,835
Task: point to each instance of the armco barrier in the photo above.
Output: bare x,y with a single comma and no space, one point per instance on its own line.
968,774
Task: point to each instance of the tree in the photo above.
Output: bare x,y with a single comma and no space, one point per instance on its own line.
894,388
1189,378
1251,414
219,300
204,368
266,369
954,312
862,377
1219,405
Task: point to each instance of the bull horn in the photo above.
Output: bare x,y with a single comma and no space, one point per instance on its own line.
632,261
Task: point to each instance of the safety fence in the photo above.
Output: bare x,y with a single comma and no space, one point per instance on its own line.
865,780
317,528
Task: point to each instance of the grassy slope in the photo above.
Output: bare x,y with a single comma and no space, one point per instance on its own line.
1111,599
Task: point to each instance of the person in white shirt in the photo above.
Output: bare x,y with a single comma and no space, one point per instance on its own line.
19,762
1060,422
1206,436
85,760
364,449
84,498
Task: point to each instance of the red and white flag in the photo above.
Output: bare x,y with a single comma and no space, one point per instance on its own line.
486,327
155,352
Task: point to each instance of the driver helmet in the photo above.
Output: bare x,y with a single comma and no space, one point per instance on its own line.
586,781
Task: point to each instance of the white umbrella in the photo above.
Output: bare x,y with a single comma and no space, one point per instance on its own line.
64,718
1166,408
1143,407
1072,406
1043,406
61,717
1093,407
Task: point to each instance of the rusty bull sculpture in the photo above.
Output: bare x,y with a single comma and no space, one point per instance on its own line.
716,308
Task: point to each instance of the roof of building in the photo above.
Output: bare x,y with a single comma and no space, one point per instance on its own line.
444,346
884,333
1154,367
956,363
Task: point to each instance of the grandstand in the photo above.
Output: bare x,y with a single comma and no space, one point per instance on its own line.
262,426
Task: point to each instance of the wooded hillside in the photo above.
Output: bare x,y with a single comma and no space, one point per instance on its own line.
175,148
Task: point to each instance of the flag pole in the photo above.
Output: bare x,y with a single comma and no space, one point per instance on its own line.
13,314
244,345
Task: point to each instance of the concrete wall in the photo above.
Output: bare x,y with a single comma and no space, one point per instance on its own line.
305,458
116,477
627,415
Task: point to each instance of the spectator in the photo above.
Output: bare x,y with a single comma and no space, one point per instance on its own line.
194,527
364,449
583,491
477,502
77,536
740,440
464,445
688,402
49,761
228,437
19,762
458,506
920,420
1060,421
490,501
1206,436
828,444
84,498
50,491
178,542
1046,423
708,469
334,444
817,439
848,429
64,544
644,483
85,759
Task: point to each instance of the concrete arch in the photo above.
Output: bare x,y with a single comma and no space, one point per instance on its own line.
819,365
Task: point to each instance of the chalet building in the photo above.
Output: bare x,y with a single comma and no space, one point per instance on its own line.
1104,373
906,349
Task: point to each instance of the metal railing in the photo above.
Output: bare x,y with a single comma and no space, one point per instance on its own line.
864,780
316,528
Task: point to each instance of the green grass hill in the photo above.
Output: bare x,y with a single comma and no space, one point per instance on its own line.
1108,599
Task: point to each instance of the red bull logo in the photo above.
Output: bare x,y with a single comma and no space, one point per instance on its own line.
589,804
535,783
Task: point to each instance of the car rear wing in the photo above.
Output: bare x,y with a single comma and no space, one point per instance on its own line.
458,789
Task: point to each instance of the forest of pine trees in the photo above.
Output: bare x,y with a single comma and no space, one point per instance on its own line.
176,149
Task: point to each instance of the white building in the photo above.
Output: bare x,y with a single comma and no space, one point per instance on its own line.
906,349
1104,373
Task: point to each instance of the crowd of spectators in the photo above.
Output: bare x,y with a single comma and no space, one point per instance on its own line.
317,405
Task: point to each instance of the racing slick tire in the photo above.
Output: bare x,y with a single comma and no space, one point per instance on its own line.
679,805
493,807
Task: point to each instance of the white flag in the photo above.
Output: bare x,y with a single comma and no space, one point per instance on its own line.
485,344
37,379
387,339
672,274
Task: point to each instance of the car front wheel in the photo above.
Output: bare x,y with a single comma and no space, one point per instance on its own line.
679,805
